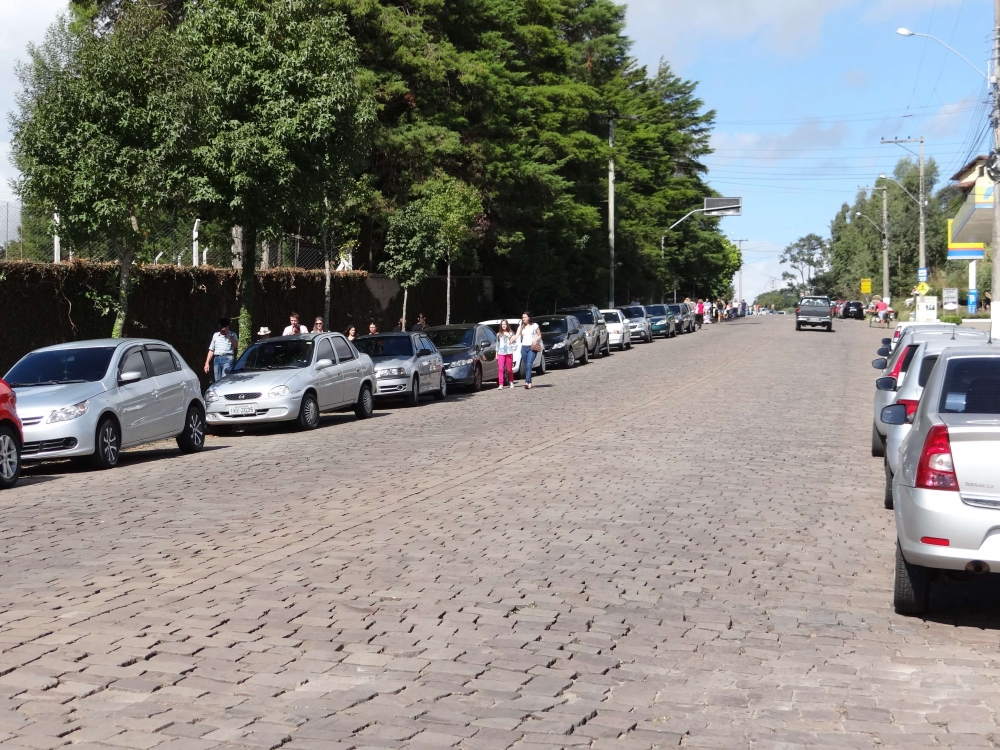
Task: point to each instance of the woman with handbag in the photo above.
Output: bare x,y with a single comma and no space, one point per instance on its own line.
530,337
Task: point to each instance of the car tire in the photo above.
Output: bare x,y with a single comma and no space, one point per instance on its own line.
570,359
192,438
621,346
366,402
829,327
477,380
878,447
108,445
607,348
798,326
911,588
308,413
585,357
541,365
10,457
413,397
887,500
629,344
441,392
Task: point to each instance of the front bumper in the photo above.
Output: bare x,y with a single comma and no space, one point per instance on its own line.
389,387
268,410
556,356
973,532
464,375
59,440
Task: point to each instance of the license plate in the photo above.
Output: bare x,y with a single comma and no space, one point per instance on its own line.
242,409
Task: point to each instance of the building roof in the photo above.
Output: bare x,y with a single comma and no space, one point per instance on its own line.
970,167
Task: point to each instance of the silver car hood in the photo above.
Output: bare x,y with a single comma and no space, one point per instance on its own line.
41,399
382,363
260,380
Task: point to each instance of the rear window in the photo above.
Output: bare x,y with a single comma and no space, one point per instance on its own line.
633,312
656,310
971,386
925,369
814,302
584,316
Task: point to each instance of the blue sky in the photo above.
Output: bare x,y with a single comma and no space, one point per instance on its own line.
804,91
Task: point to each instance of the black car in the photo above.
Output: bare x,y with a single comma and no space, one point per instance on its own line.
564,340
469,352
685,316
853,309
663,321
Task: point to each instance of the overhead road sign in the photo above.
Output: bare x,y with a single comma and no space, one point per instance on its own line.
723,207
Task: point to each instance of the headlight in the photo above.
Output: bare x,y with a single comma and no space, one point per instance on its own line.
279,390
391,372
560,345
68,412
212,395
458,363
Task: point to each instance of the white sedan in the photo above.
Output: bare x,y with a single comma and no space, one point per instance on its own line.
537,367
618,331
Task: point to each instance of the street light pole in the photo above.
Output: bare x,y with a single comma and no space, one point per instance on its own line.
922,202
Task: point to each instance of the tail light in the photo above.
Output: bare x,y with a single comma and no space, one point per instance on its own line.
898,367
911,405
936,470
798,309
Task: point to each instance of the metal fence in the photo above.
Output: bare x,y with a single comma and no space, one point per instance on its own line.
169,242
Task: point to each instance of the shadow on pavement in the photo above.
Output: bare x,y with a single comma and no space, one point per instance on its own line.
971,603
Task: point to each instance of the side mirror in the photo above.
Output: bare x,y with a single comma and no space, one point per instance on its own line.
324,363
879,364
894,414
131,376
424,353
886,342
883,351
886,384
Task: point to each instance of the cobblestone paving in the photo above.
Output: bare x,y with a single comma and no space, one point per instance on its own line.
682,545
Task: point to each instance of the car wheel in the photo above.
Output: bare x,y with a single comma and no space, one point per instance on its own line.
109,443
308,413
192,439
366,402
477,379
829,327
570,359
629,344
541,364
878,447
798,326
888,487
648,337
441,392
585,357
10,458
911,586
413,397
607,348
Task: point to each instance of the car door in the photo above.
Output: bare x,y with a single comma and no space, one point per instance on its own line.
350,369
431,364
137,401
486,343
172,387
329,380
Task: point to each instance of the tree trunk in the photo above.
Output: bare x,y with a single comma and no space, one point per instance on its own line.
406,294
326,270
237,246
124,286
248,278
447,302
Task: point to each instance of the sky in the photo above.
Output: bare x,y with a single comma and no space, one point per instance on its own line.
803,90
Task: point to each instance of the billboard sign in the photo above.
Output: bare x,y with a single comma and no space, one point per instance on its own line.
949,298
723,207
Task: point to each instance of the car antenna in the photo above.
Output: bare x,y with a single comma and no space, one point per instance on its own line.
953,333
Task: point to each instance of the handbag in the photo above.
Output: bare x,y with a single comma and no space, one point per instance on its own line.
536,346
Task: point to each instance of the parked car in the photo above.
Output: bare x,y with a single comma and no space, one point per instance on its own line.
812,312
618,330
293,378
407,365
908,391
563,339
685,315
947,489
11,438
94,398
852,309
537,366
661,321
905,325
469,352
594,328
638,324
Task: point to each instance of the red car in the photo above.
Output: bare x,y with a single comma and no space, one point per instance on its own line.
11,438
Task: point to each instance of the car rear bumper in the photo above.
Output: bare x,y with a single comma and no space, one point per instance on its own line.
268,410
813,321
973,532
618,338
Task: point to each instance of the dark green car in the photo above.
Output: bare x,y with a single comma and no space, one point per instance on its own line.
663,321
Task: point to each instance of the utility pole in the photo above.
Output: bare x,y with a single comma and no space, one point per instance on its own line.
739,244
56,249
885,238
995,312
611,208
923,202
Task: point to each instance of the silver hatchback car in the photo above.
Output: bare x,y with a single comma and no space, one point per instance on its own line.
947,489
93,398
407,365
293,378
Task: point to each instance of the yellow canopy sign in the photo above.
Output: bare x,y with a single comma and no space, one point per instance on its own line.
866,286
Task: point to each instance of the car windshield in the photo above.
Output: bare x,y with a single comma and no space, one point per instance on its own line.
385,346
610,317
675,309
971,386
633,312
656,310
276,354
445,337
584,316
552,325
85,365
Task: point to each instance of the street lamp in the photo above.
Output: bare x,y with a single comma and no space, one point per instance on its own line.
903,31
877,227
890,179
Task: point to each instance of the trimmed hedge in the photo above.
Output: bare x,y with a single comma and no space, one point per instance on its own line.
46,304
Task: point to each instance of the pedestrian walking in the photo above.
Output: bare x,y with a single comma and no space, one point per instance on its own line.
351,333
294,327
530,338
221,351
699,313
505,354
318,325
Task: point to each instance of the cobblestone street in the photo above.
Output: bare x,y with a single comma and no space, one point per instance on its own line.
683,544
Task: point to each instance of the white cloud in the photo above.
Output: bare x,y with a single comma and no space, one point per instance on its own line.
808,135
886,9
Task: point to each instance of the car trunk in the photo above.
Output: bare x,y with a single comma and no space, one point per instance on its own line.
975,446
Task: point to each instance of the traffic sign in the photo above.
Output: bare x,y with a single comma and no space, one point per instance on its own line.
723,207
923,288
921,275
866,286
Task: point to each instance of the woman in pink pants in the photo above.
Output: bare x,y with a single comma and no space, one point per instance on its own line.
505,354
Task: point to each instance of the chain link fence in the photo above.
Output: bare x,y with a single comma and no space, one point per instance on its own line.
169,241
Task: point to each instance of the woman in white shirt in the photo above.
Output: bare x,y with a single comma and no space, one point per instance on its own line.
530,337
